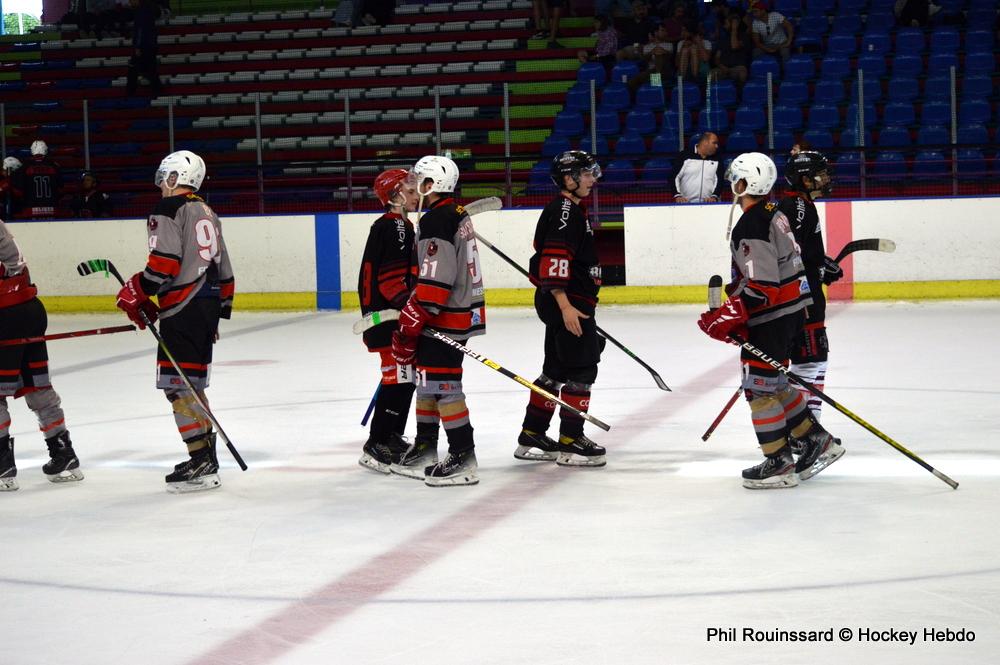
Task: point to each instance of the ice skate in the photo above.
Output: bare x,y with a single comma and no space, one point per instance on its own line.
775,472
820,450
455,469
380,455
63,467
536,447
421,454
200,472
8,470
579,451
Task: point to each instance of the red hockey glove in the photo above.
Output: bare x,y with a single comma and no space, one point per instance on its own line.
831,271
729,319
412,318
404,348
133,301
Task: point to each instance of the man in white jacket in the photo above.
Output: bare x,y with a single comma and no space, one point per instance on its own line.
699,171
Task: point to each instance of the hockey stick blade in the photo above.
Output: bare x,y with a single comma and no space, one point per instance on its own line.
866,244
372,319
487,204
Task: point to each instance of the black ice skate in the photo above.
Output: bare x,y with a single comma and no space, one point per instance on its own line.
8,470
455,469
380,455
63,467
535,446
819,450
421,454
775,472
579,451
200,472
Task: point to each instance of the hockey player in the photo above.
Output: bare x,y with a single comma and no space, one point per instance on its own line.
24,371
388,275
188,271
39,183
449,299
9,194
567,277
767,298
808,176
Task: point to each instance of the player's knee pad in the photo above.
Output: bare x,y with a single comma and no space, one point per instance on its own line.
549,384
42,399
577,387
585,375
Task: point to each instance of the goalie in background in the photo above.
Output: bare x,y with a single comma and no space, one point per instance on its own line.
24,371
388,275
188,271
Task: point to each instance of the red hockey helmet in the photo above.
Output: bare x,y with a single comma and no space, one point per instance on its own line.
387,184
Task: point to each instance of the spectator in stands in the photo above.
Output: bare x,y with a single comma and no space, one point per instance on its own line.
90,202
607,44
144,46
637,32
732,55
608,8
378,12
658,55
699,171
548,12
675,21
772,33
800,146
915,13
693,53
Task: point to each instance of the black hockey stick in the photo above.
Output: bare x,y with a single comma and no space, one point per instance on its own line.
106,266
65,335
524,382
371,405
866,244
600,331
843,409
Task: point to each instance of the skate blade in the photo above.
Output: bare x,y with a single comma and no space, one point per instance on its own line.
8,484
773,483
209,482
415,471
535,454
67,476
372,464
832,454
572,459
450,481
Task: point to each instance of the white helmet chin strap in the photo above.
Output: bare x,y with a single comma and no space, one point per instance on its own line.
422,193
732,208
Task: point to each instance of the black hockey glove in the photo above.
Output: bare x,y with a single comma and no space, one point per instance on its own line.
831,271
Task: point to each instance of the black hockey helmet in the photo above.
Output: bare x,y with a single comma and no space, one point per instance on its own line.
808,164
573,163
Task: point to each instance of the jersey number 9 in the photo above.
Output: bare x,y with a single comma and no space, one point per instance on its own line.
208,239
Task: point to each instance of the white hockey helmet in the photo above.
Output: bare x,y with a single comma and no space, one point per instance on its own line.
188,167
11,163
441,170
39,148
757,169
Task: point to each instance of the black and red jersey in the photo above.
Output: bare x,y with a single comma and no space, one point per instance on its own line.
388,273
39,183
804,220
566,255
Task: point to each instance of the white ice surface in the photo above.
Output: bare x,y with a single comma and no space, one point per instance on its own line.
308,558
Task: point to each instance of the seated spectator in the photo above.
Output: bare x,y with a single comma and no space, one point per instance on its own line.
699,171
693,53
658,55
607,44
715,20
771,31
378,12
675,21
548,13
732,54
90,202
636,32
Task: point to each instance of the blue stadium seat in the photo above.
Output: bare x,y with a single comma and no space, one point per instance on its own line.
787,116
980,62
591,71
973,135
910,41
898,114
941,63
872,87
907,65
851,118
723,94
657,171
945,40
933,135
788,8
819,139
793,92
873,65
875,43
931,164
903,89
779,157
615,97
815,7
936,113
692,97
880,19
971,165
750,118
847,24
800,67
754,93
619,174
856,6
664,143
600,148
539,180
763,64
670,121
979,41
977,87
782,141
607,123
847,168
836,67
890,164
740,141
568,123
630,145
829,91
849,138
578,98
824,116
716,120
650,97
811,30
625,69
980,16
555,144
937,88
893,137
974,112
640,121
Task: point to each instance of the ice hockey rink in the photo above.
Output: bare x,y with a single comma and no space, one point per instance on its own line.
309,559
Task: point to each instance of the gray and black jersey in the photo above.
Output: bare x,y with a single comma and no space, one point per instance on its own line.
15,282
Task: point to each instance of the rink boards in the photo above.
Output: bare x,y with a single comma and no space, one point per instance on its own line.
945,249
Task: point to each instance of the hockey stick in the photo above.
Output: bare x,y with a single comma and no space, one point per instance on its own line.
600,331
371,405
715,302
843,409
524,382
866,244
65,335
106,266
372,319
487,204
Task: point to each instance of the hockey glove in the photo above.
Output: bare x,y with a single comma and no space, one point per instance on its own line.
404,348
412,318
133,301
831,271
729,319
